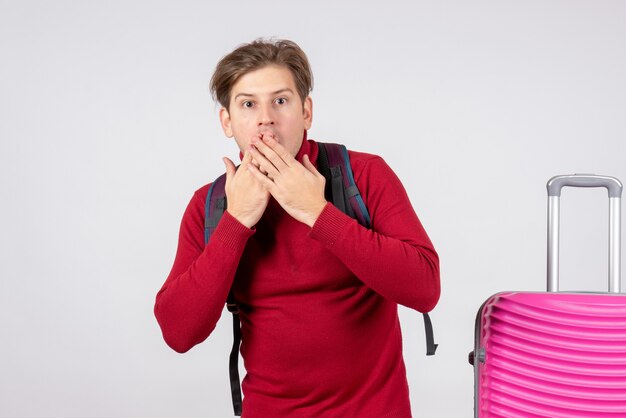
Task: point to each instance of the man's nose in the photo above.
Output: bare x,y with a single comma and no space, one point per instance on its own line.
265,116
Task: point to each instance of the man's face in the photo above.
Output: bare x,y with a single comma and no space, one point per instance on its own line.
265,101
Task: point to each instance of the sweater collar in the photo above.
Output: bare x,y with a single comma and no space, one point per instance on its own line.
308,147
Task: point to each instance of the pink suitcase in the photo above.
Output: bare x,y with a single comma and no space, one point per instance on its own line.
551,354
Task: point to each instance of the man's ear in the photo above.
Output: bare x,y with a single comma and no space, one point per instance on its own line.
225,121
307,108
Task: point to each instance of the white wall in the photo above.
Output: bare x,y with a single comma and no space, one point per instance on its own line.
107,128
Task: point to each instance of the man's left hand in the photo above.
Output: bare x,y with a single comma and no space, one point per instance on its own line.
298,188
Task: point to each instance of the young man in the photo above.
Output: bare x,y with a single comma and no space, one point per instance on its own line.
317,292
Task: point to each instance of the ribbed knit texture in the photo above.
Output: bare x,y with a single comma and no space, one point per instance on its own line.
230,231
320,329
329,225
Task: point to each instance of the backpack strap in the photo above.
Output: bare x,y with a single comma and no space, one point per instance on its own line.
334,164
213,210
214,207
431,347
233,361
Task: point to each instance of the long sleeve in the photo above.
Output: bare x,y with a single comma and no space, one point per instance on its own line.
395,258
192,298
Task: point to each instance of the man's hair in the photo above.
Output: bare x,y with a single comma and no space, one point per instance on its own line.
256,55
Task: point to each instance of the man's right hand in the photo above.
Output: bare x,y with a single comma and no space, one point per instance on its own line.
246,197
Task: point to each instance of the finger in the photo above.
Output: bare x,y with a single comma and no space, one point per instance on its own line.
264,164
270,155
247,159
261,178
230,167
281,151
309,165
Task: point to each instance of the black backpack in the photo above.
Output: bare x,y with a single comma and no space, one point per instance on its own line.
334,164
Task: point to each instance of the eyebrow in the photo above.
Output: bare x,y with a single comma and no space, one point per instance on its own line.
285,90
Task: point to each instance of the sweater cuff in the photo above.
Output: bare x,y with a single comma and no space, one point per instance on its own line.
329,225
232,233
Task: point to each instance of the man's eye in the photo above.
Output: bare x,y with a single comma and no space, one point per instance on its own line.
247,103
281,100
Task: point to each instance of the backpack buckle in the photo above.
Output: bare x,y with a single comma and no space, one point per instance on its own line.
232,308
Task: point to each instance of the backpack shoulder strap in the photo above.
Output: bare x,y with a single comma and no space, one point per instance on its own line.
214,207
213,210
334,164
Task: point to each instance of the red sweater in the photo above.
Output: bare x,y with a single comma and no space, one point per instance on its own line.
319,320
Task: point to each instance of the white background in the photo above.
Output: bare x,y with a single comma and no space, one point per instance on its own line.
107,128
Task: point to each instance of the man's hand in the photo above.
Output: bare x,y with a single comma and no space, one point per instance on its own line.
298,188
246,197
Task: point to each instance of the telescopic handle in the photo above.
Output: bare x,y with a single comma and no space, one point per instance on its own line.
556,183
614,188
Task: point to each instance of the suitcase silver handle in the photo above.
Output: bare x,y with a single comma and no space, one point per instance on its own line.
614,188
556,183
